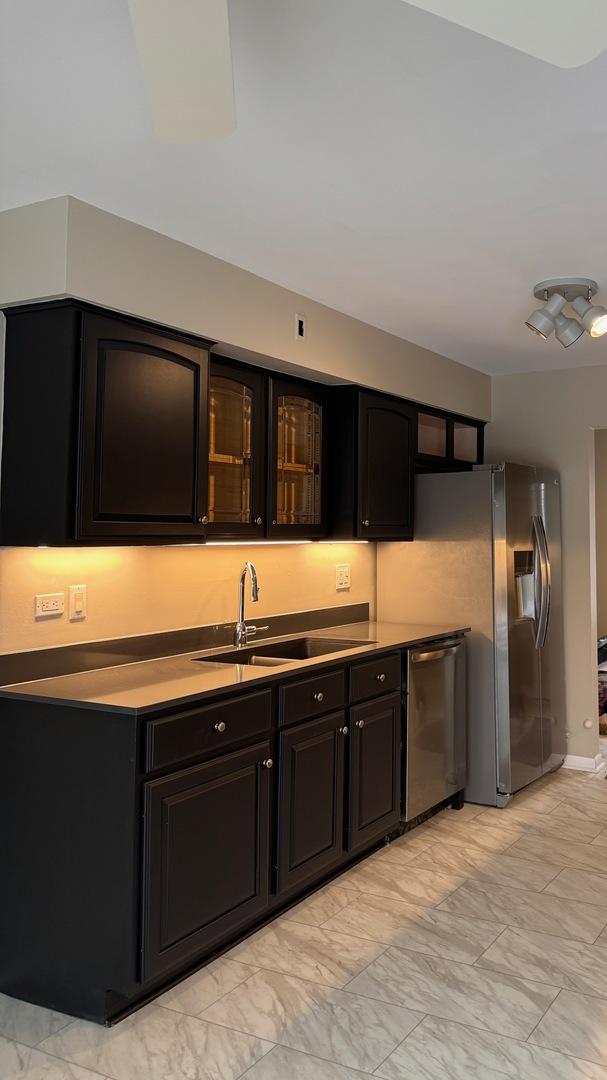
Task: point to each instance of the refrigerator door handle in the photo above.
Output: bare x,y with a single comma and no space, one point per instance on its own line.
547,580
544,563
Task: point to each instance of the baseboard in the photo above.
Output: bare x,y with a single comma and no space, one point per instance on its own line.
584,764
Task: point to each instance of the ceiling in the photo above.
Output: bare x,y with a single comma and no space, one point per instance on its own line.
386,162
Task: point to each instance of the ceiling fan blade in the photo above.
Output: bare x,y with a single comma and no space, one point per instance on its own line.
561,32
184,50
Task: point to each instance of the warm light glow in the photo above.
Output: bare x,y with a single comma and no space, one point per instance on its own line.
599,326
75,561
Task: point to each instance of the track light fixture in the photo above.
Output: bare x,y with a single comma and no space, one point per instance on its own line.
556,294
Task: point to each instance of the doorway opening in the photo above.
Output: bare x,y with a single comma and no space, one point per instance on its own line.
600,496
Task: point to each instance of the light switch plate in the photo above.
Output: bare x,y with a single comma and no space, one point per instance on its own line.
48,604
342,576
77,594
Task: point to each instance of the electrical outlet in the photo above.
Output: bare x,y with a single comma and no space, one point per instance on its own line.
77,595
47,604
342,576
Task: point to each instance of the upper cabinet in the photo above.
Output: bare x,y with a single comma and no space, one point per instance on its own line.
237,453
143,435
447,442
371,466
297,494
105,429
119,431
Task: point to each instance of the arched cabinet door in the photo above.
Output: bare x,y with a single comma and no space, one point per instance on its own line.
297,460
386,429
237,421
143,433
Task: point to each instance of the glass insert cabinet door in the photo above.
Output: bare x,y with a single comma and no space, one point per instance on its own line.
236,422
297,453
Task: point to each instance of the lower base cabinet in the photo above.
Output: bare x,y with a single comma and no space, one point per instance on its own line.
375,770
206,862
311,799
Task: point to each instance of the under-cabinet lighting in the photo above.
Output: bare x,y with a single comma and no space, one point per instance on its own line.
252,543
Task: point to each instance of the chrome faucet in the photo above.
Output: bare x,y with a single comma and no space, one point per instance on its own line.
241,635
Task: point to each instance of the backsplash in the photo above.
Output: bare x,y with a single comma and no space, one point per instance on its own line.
140,590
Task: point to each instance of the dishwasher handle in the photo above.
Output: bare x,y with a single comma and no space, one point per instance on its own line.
435,654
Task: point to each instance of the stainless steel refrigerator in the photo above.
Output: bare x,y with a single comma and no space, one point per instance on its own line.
487,553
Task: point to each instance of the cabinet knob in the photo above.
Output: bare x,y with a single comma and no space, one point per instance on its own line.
258,521
366,523
343,730
220,727
319,696
204,520
275,522
360,723
267,763
381,678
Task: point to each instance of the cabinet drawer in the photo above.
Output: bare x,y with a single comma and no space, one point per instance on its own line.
212,727
312,697
375,677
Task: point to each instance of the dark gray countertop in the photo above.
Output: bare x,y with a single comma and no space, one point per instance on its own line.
176,680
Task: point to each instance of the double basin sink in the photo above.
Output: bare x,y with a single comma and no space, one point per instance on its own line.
284,652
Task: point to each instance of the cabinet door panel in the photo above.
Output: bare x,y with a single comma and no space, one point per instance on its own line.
386,431
375,769
297,463
206,864
311,793
143,432
237,455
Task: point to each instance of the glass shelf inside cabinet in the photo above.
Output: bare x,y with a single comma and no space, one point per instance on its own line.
431,435
465,442
230,418
298,494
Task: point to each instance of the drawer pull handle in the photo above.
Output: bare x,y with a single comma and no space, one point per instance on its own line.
267,763
381,678
220,727
319,696
360,723
343,730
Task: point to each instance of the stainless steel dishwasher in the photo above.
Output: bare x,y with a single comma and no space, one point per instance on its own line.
435,762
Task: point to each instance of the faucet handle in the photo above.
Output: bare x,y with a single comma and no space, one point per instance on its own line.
254,629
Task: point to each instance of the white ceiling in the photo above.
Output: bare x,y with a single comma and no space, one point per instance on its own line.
386,162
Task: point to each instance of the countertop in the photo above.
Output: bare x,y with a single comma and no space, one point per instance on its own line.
179,680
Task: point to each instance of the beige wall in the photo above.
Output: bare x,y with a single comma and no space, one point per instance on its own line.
124,266
140,590
547,418
600,476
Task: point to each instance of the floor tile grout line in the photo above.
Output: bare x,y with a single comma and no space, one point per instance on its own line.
184,1012
71,1020
66,1061
402,1041
249,1068
307,1054
531,1033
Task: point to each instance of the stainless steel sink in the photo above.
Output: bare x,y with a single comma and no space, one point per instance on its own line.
284,652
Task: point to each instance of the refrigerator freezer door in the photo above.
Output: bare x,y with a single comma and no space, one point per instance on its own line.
518,689
548,505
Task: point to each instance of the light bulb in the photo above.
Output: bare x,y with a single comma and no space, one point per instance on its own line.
593,316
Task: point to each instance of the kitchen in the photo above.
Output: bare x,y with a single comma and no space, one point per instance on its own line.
285,683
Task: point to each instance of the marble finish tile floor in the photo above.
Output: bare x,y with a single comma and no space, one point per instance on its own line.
472,948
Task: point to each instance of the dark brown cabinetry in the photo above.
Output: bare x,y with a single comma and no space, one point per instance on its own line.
311,799
371,466
447,442
206,868
297,495
375,766
105,429
237,451
143,433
